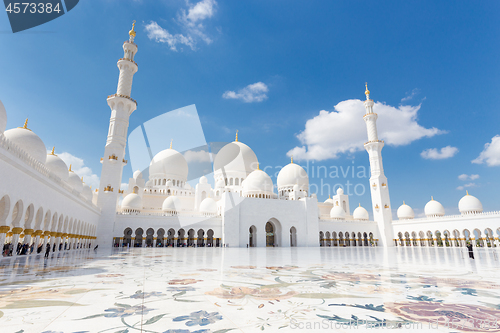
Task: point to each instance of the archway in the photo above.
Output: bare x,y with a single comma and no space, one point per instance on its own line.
490,241
138,237
150,233
190,237
341,239
160,235
360,239
456,235
171,237
293,236
335,239
414,238
4,209
180,237
347,240
210,238
429,238
327,239
365,239
439,240
407,239
478,238
422,238
400,238
321,239
467,236
252,236
201,241
353,240
446,240
273,233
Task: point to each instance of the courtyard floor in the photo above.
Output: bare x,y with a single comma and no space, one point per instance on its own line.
252,290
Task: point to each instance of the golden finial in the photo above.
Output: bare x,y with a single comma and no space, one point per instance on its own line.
236,136
26,125
329,196
82,180
171,142
258,166
432,198
70,168
404,203
132,32
292,159
52,152
367,92
360,204
467,191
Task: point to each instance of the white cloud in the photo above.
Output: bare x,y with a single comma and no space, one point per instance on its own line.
344,131
78,166
197,156
410,95
439,154
465,177
461,188
256,92
491,153
191,24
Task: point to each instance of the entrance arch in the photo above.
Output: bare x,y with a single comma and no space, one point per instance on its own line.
293,236
273,233
252,236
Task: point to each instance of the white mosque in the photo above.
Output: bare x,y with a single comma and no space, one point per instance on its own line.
43,202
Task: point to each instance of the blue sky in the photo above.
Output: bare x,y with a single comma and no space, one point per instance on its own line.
267,68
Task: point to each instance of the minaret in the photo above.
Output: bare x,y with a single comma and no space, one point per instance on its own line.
113,161
381,202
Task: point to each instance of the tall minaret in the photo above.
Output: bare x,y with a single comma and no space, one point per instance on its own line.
113,161
381,202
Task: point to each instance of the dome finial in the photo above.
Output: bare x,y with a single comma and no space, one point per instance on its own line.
132,32
258,166
26,125
367,92
52,152
467,191
404,203
171,142
291,159
432,198
360,204
236,140
70,168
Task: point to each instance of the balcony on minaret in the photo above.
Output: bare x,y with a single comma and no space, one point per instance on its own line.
108,189
113,158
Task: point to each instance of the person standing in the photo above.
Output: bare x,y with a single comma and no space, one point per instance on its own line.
47,251
471,252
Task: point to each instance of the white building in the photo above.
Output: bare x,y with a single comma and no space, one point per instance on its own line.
43,202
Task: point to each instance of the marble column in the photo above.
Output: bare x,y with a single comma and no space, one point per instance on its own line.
121,241
37,235
15,239
3,235
46,236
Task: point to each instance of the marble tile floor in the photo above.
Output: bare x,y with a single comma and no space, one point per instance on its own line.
219,290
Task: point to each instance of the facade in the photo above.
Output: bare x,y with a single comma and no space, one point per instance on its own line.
43,202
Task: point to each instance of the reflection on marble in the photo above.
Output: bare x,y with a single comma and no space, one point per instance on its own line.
249,290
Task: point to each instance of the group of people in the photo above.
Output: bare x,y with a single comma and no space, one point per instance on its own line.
25,249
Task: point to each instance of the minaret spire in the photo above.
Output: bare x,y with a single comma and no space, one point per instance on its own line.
122,106
381,202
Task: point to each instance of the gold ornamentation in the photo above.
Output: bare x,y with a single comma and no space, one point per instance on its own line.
291,159
52,152
367,92
132,32
113,157
376,206
29,232
4,229
17,231
108,189
386,206
171,143
384,184
125,161
120,191
70,168
236,136
25,125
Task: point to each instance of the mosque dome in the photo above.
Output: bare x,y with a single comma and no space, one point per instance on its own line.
208,205
405,212
169,163
293,174
3,118
360,213
469,204
137,175
203,180
74,181
329,201
258,182
236,156
132,202
434,208
57,166
337,213
28,141
87,192
171,204
340,191
220,183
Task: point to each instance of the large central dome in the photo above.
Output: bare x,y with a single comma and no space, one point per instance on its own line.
169,163
236,156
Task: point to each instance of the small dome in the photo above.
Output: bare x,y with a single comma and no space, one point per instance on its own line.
203,180
169,183
405,212
235,156
74,181
137,175
329,201
87,192
434,208
171,204
169,163
293,174
258,182
340,191
469,204
337,213
28,141
57,166
3,118
132,202
360,213
208,205
296,188
220,184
